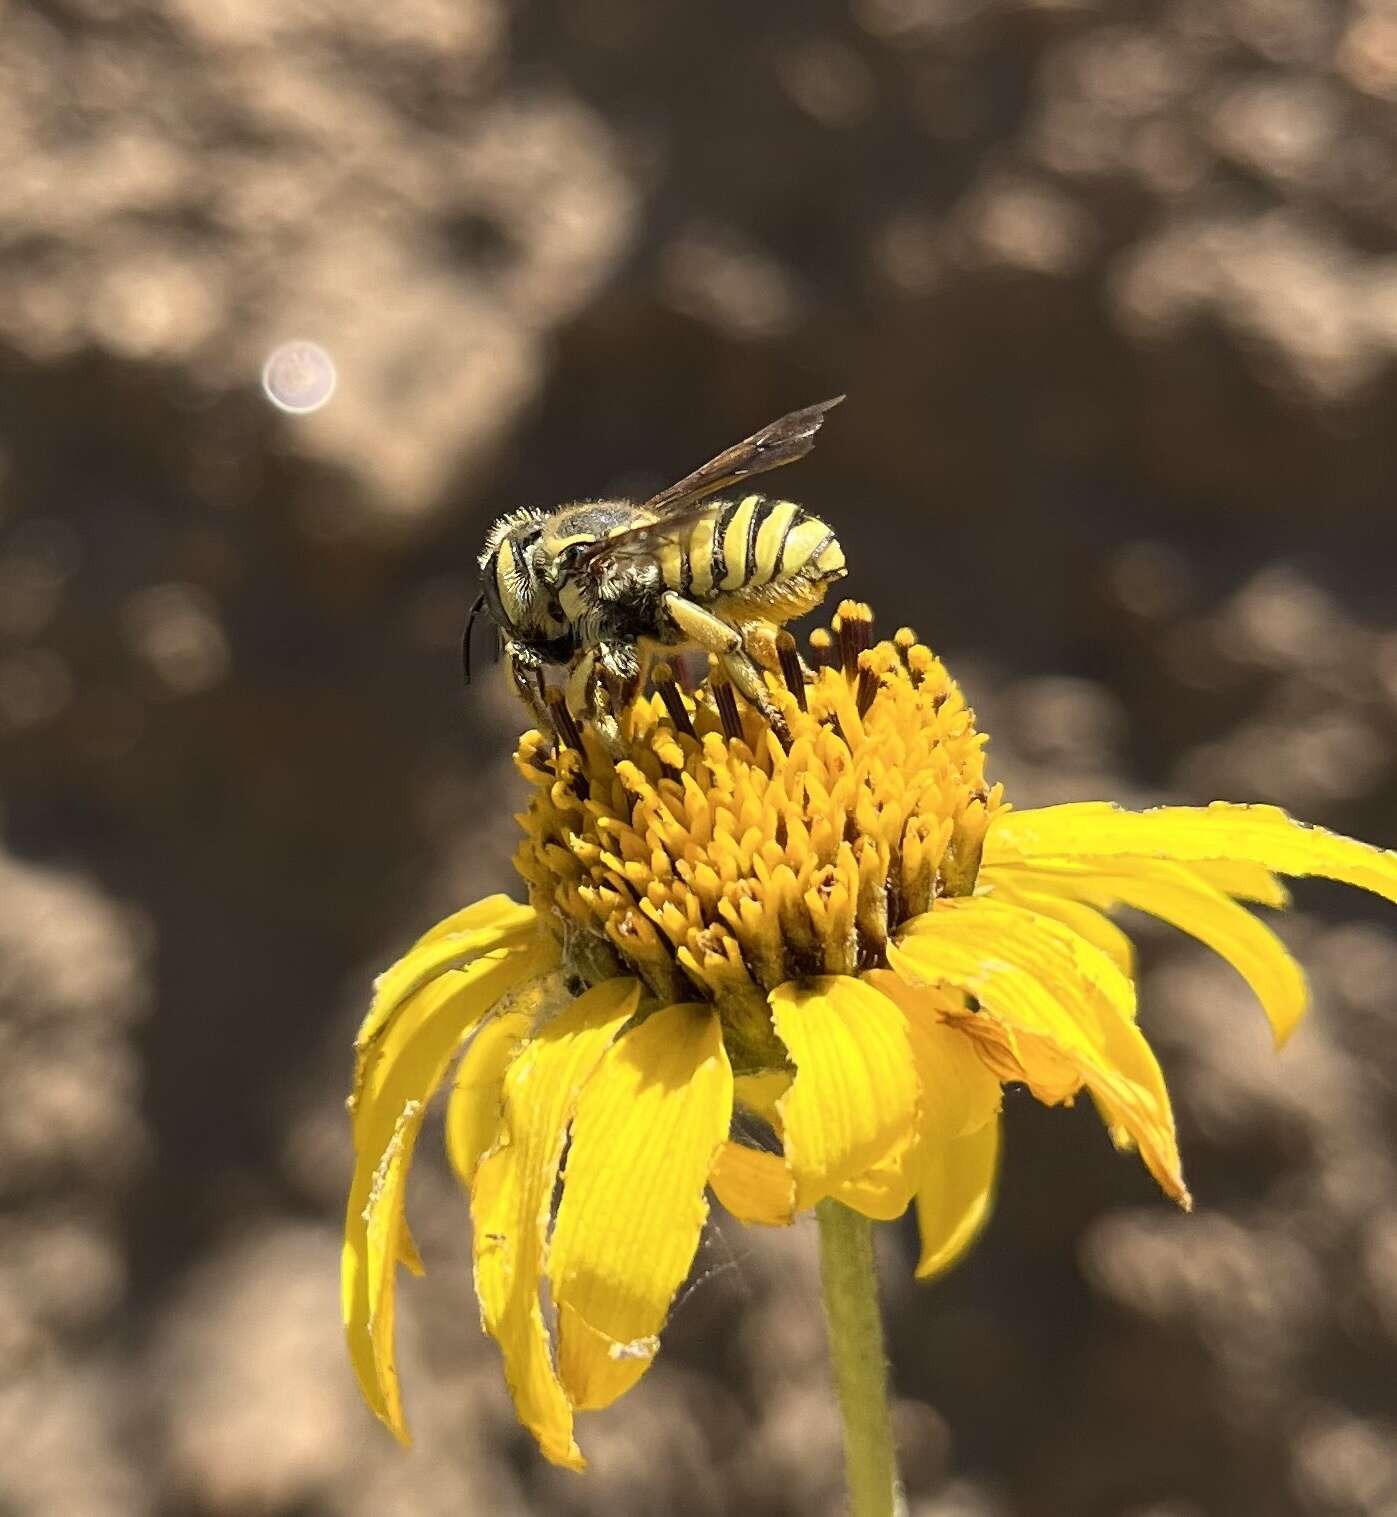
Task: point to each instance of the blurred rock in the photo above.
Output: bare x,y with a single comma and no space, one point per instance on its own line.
188,186
248,1359
73,983
63,1428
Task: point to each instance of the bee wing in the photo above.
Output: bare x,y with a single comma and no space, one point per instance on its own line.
780,442
646,536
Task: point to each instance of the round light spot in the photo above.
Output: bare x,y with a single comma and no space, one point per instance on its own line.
299,377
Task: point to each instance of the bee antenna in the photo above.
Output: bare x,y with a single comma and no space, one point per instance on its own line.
475,611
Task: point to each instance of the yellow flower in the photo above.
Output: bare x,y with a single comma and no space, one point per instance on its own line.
847,943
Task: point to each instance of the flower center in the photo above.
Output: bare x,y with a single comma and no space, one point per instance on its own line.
716,861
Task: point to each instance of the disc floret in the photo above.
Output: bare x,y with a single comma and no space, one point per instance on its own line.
717,862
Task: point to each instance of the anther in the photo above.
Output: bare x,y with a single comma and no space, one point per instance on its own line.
821,647
867,686
674,700
564,724
725,698
791,671
904,640
855,623
918,664
837,727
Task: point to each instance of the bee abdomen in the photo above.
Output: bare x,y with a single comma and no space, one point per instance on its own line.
747,544
810,550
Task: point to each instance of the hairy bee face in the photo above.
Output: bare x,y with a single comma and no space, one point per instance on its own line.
520,598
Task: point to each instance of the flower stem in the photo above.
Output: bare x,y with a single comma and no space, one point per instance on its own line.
860,1363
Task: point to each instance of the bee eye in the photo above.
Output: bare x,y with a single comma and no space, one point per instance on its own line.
571,557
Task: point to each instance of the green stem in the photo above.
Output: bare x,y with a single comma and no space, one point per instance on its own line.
860,1363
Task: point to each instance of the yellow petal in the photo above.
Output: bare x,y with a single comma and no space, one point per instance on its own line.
407,1070
649,1124
1247,882
1035,975
959,1094
853,1102
488,925
955,1197
498,913
512,1196
1222,832
507,1285
882,1193
1014,1055
760,1093
475,1109
1050,897
753,1185
408,1256
1234,877
1228,929
1175,894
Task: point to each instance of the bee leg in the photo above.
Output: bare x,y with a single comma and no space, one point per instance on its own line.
577,693
604,721
615,687
589,696
759,641
747,677
714,634
526,672
620,662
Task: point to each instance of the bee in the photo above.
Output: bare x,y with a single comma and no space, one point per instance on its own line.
601,585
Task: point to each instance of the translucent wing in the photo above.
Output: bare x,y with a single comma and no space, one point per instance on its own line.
646,536
777,444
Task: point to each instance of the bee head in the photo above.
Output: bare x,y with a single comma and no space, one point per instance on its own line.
516,597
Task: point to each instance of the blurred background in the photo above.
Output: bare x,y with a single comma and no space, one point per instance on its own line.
1112,288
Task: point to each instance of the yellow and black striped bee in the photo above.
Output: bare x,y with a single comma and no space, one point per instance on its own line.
600,585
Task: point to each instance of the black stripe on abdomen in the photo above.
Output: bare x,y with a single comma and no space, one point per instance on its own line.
795,521
718,572
763,509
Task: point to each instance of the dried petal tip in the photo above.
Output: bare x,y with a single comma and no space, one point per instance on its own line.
791,670
854,624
